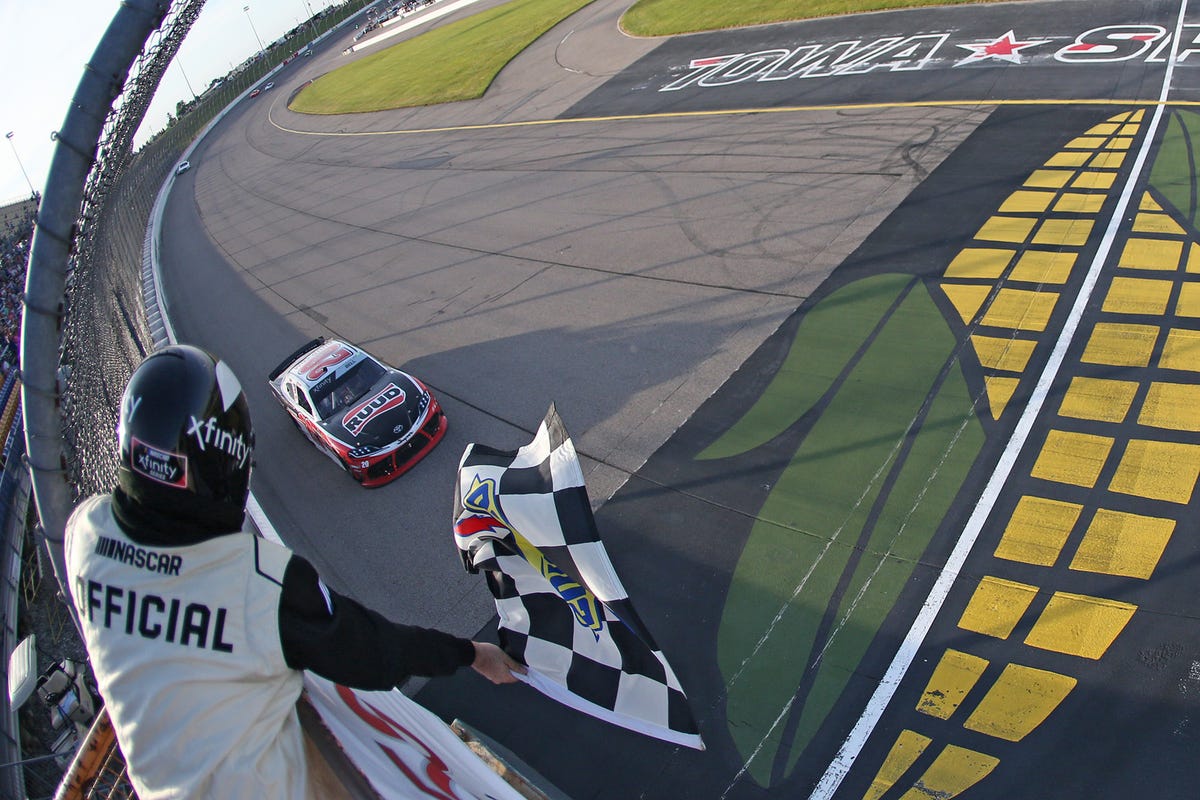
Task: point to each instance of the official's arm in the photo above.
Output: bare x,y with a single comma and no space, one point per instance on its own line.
347,643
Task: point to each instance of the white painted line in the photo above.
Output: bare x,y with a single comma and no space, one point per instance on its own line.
421,20
562,42
858,736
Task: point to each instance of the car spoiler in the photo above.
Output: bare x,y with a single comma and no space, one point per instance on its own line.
313,345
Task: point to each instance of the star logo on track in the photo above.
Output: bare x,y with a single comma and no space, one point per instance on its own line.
1005,48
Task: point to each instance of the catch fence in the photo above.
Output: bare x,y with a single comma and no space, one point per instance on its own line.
84,326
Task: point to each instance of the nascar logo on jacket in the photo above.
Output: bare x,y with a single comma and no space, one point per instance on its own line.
388,398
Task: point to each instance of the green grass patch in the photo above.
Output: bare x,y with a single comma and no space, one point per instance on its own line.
668,17
454,62
851,505
1175,165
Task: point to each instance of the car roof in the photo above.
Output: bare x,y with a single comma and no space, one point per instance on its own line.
333,357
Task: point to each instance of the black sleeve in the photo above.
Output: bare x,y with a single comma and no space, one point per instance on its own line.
348,643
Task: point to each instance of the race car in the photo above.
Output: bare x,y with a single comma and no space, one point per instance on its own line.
375,421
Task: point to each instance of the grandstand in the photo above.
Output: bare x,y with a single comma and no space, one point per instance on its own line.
14,213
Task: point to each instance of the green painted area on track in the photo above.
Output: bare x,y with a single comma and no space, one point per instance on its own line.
829,336
850,515
1175,164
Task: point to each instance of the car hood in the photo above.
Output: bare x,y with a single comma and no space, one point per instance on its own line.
393,406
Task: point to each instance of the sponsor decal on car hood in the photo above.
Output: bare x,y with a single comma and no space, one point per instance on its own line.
385,414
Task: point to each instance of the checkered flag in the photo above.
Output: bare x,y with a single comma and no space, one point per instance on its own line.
523,518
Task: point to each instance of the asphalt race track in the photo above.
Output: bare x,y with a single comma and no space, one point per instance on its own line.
878,338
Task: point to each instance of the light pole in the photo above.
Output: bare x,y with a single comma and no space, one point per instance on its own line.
185,78
261,50
9,136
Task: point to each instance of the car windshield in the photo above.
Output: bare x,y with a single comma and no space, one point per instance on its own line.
335,395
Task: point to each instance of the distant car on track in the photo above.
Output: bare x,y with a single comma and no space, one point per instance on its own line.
256,93
269,86
183,167
375,421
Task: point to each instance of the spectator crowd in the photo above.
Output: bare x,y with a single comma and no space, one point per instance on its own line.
15,240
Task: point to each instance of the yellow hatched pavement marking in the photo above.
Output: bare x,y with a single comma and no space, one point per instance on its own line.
1079,625
1146,222
1160,254
1005,355
1064,232
1121,345
1099,399
1078,203
904,753
1094,179
1044,266
1174,406
1007,229
1072,458
967,299
1068,159
980,262
1158,470
1138,296
999,391
1050,178
1120,543
1020,310
952,680
1019,701
1181,351
1024,202
996,607
1107,161
1114,133
1037,530
1188,304
955,770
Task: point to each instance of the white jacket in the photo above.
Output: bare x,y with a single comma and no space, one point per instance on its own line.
185,645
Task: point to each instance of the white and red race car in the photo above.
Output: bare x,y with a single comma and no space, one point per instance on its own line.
374,420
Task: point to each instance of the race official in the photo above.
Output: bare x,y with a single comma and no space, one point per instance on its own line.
197,631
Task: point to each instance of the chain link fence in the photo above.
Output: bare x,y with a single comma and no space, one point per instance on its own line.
84,325
100,331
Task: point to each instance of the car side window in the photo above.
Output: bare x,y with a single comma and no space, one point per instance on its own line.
299,399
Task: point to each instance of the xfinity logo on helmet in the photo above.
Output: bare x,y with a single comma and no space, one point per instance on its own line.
388,398
208,432
158,465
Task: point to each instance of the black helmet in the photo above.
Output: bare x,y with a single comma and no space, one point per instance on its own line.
186,440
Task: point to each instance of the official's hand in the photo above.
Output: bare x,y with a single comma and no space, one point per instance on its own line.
494,664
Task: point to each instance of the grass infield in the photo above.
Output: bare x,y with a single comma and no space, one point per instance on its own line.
449,63
669,17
